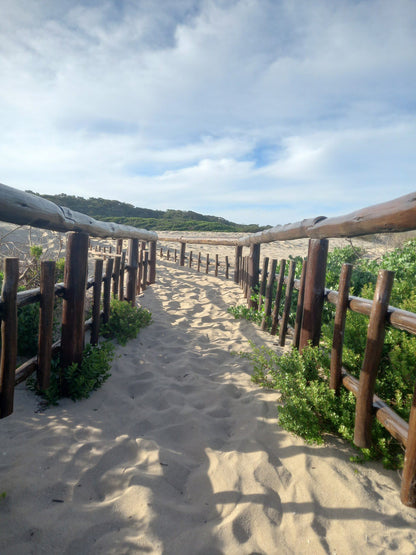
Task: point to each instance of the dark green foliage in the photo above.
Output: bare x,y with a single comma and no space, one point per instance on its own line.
123,213
125,321
78,380
27,329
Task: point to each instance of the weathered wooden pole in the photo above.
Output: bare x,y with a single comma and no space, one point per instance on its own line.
145,266
268,293
47,299
237,261
216,265
122,270
119,246
140,272
278,296
182,254
132,258
227,268
96,301
288,302
190,259
372,357
262,290
299,306
107,289
207,264
75,280
8,336
199,262
253,272
314,293
152,262
408,489
335,379
116,276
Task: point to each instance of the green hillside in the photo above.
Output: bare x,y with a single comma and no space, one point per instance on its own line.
124,213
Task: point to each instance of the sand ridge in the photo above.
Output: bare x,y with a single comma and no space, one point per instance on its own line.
180,453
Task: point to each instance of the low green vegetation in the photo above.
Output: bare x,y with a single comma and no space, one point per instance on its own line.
79,380
303,379
310,408
125,321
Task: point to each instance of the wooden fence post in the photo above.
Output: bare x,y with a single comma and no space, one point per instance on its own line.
140,272
408,489
253,272
152,262
190,259
227,267
145,265
107,289
216,265
132,257
47,298
116,276
207,264
299,307
237,261
199,262
269,293
121,282
182,254
262,290
8,336
314,292
288,302
75,281
372,356
335,379
278,296
96,300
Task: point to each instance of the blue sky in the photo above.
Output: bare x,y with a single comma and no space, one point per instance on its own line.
259,111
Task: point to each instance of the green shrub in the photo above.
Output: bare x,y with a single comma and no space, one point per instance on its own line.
310,408
125,321
78,380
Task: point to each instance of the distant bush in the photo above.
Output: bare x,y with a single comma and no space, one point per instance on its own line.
125,321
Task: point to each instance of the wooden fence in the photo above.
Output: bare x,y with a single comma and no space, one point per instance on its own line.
139,266
394,216
397,215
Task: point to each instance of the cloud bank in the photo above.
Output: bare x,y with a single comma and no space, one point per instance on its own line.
260,111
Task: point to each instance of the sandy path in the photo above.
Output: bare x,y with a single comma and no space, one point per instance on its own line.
179,453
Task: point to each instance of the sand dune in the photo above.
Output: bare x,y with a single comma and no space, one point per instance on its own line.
179,453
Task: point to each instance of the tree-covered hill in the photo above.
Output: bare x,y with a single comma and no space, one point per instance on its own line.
124,213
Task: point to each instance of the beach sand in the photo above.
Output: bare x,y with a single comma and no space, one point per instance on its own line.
180,453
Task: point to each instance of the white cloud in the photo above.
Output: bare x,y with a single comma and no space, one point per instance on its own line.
218,106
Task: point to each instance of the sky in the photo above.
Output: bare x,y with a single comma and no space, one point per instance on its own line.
259,111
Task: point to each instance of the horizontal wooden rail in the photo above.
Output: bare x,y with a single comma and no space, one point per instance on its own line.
388,217
21,208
